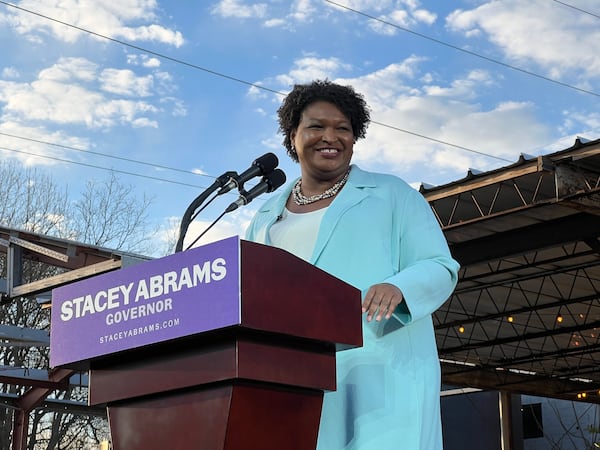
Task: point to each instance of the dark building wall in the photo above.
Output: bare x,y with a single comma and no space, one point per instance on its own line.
472,422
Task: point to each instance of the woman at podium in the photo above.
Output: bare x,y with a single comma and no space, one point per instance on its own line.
377,233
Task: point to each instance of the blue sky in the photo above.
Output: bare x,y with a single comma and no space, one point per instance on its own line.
194,86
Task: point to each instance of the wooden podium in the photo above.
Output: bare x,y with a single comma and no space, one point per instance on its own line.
256,383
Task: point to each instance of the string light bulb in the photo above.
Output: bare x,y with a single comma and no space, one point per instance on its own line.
461,329
510,319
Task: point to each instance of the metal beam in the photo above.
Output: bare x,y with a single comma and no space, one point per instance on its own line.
46,284
20,429
523,383
20,336
38,249
520,338
58,379
66,406
513,312
576,227
25,376
479,182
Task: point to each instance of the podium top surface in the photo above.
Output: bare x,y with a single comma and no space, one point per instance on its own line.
224,284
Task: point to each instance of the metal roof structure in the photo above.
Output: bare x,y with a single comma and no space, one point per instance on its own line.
72,262
525,316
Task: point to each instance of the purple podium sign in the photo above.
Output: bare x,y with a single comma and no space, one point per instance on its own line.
179,295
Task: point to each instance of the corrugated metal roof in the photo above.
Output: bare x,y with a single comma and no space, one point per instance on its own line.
525,316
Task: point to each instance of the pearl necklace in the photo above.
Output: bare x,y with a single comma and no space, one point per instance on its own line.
300,199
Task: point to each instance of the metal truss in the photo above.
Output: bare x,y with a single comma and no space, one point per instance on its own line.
525,316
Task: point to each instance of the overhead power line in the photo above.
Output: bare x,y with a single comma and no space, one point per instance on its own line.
159,166
442,142
94,166
274,91
468,52
67,147
577,9
145,50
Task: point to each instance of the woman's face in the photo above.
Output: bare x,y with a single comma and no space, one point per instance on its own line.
324,141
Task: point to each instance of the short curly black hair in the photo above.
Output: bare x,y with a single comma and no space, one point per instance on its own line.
345,98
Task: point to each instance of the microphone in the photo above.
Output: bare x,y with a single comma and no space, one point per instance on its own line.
260,166
269,183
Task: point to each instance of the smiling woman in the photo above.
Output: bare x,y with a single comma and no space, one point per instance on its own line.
378,234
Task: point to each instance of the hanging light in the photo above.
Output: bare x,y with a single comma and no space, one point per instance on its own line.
559,318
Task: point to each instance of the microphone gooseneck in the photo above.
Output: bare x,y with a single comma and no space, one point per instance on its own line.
261,166
264,166
269,183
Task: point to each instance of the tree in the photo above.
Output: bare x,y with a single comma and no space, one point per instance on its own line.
31,200
569,425
108,214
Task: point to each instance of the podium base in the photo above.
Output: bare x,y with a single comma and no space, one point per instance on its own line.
235,415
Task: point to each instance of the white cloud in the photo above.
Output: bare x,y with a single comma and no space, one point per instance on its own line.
239,10
385,84
302,11
274,23
144,61
153,33
499,131
581,122
387,24
26,150
273,143
178,108
10,73
70,69
233,224
256,93
279,14
105,18
390,15
274,15
464,88
364,5
126,82
151,62
143,122
559,39
424,16
310,68
199,172
73,91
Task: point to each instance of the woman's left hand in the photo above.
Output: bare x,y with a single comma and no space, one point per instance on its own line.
381,299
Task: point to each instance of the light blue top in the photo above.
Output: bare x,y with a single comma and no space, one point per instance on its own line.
379,229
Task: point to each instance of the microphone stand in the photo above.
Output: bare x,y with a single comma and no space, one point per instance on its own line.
190,212
206,231
243,194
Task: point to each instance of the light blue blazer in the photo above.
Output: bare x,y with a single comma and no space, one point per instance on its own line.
379,229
